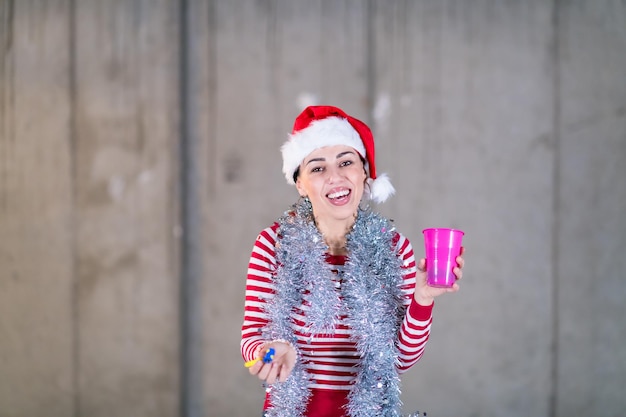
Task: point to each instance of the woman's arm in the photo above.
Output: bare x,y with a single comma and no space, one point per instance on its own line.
415,329
259,288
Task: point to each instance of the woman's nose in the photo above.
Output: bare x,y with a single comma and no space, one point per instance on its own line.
332,174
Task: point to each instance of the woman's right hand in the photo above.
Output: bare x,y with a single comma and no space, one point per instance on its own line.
280,367
425,294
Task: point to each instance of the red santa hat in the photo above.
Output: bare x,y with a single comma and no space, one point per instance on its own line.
319,126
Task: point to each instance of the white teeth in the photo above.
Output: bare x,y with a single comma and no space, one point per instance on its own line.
339,194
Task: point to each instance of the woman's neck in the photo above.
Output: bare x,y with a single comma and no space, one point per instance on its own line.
334,233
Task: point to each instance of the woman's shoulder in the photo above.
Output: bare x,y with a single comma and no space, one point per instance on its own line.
270,231
268,236
401,242
265,242
397,236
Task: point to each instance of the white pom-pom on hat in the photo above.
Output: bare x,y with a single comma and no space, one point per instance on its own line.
319,126
380,188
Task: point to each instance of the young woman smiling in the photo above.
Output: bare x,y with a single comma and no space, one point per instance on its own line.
333,289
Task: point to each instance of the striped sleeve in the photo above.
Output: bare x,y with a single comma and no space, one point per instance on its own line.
415,328
259,289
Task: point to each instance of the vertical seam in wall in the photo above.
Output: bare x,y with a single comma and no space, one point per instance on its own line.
191,263
73,209
370,63
182,56
212,102
7,99
556,173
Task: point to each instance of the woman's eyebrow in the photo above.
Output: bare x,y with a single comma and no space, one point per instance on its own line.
344,154
315,160
321,159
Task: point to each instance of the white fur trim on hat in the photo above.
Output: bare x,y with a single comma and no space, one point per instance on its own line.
324,132
380,189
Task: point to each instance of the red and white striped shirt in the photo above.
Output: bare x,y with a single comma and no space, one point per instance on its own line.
329,359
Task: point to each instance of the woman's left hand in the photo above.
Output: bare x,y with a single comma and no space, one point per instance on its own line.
424,293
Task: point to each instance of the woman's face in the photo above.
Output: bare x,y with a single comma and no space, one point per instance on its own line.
333,178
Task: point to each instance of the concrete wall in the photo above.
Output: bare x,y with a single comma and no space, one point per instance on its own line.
89,173
139,159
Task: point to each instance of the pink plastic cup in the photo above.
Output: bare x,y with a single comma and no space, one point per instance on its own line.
442,247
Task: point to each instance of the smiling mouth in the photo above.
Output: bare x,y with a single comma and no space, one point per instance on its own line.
338,194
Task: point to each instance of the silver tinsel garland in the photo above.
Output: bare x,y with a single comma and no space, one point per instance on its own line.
372,301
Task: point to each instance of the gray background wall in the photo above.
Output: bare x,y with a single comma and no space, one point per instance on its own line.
139,159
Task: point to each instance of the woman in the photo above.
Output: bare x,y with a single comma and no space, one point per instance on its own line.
332,287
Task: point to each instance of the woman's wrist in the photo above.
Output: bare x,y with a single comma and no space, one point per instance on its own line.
423,301
263,346
287,342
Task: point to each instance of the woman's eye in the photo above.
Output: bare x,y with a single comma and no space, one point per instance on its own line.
345,163
316,169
